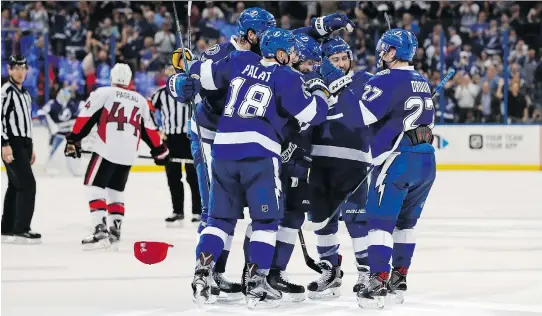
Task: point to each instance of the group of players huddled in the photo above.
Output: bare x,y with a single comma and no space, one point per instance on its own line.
284,126
286,129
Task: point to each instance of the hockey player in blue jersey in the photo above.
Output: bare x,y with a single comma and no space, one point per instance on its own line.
59,116
296,161
252,23
398,107
341,157
246,152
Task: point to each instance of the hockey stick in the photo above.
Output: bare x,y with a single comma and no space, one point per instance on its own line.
314,226
177,160
192,105
308,260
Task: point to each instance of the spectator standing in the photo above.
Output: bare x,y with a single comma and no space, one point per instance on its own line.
165,40
488,103
518,104
465,94
18,156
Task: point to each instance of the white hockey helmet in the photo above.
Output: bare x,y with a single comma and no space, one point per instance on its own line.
121,74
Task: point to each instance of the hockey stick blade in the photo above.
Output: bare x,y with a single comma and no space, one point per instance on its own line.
308,260
314,226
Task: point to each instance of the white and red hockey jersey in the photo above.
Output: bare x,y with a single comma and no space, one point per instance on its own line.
122,117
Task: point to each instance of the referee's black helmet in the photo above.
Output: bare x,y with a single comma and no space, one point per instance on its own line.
17,60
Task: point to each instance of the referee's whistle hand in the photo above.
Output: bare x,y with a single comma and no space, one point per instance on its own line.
7,154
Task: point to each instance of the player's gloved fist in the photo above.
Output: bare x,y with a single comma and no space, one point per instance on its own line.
178,61
288,152
332,22
333,76
182,88
73,147
160,155
316,85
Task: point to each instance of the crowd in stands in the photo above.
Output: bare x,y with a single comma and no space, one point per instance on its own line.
85,37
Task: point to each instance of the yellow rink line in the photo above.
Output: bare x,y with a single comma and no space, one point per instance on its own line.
457,167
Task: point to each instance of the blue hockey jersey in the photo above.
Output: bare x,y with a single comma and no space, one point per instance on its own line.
394,101
209,109
60,118
336,138
262,97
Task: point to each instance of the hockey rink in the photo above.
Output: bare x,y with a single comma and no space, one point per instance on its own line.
479,253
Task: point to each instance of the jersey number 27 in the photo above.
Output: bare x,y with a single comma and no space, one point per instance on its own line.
254,103
418,104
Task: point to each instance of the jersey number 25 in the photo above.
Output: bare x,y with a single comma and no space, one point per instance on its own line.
255,102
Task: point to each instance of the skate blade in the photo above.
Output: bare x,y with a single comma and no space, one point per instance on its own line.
230,297
99,245
293,297
16,240
377,302
114,246
257,303
327,294
395,298
201,300
175,224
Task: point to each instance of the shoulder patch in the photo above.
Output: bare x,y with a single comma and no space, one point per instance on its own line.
383,72
213,50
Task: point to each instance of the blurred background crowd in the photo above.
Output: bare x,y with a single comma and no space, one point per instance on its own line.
495,46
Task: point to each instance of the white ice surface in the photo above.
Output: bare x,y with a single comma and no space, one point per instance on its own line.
479,253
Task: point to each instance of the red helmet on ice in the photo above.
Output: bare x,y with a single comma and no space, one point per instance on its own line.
151,252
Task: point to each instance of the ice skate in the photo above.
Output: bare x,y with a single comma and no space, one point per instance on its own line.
374,295
26,238
175,220
259,293
290,292
363,278
229,291
329,283
397,285
98,240
196,218
114,234
204,288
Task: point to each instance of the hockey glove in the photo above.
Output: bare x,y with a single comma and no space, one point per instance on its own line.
73,148
177,59
333,77
325,25
315,85
160,155
183,88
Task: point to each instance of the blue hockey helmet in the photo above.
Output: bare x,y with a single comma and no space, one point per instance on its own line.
256,19
335,45
307,48
275,39
404,42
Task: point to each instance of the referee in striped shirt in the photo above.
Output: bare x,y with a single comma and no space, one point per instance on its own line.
18,156
175,116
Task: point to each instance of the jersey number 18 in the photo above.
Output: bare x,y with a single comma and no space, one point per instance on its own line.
255,102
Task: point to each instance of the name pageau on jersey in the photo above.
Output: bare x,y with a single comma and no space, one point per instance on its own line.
122,118
261,97
394,101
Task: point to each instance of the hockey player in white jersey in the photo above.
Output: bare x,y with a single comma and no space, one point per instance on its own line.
122,118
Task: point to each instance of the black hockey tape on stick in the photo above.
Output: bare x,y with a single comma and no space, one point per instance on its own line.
308,260
314,226
177,160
